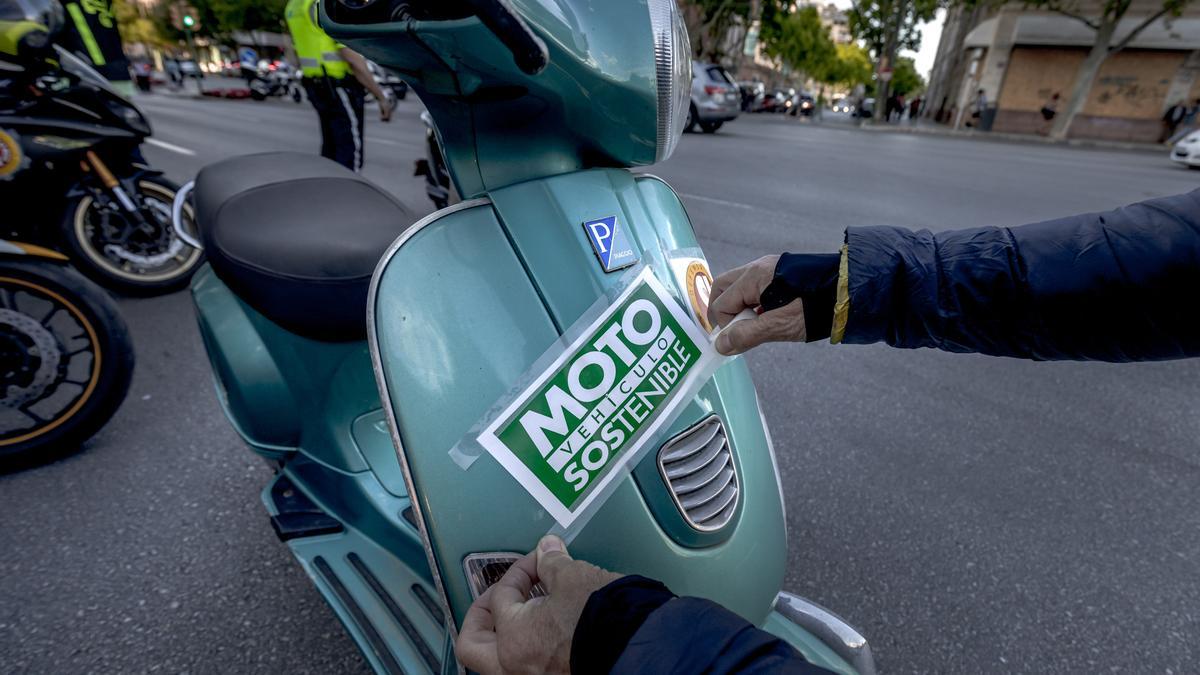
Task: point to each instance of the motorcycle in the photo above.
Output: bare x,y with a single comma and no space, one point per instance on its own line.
532,359
278,82
79,183
66,358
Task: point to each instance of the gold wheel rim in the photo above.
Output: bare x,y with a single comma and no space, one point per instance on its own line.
96,363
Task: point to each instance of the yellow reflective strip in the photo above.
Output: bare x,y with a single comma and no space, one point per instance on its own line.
841,309
85,32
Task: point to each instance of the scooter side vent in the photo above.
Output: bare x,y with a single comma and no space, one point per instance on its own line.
698,468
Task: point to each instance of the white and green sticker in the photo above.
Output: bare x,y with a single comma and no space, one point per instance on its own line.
566,435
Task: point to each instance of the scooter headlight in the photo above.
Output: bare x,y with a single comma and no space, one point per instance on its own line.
673,69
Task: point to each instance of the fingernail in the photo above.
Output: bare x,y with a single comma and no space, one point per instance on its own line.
550,543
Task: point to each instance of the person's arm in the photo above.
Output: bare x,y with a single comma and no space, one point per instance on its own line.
1114,286
636,625
358,66
593,621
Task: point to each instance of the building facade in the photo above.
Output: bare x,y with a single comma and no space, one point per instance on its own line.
1020,58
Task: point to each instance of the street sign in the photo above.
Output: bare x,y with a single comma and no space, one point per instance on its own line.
885,74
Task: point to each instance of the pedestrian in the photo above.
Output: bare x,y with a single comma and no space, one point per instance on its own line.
979,106
1115,286
914,110
1049,110
1189,122
1170,121
336,80
171,65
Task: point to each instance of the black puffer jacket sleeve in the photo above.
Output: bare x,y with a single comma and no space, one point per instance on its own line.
636,625
1117,286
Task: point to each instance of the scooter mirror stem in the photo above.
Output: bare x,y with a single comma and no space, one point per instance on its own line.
528,50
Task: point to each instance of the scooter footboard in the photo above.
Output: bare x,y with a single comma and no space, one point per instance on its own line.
462,306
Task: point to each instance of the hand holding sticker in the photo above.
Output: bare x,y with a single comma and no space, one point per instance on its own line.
738,292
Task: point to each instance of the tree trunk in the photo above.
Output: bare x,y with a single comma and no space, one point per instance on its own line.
890,48
1084,80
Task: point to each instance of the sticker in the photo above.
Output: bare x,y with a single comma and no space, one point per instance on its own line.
695,279
10,155
570,431
610,243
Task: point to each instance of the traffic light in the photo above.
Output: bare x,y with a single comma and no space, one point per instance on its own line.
188,21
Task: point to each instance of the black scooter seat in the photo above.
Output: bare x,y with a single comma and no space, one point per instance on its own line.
297,237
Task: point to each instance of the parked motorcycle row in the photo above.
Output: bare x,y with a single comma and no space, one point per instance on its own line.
79,198
374,363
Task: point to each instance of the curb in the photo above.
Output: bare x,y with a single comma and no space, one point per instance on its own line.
1017,138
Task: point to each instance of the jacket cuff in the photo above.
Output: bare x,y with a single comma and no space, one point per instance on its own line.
841,306
813,279
610,618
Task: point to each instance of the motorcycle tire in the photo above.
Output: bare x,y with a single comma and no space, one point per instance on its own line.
90,258
257,95
690,125
710,127
66,356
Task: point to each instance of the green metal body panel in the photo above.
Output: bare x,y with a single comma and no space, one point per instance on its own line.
597,97
469,302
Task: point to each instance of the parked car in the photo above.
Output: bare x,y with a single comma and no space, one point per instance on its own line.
1187,151
715,98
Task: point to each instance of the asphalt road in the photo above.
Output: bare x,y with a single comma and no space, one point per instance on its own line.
969,514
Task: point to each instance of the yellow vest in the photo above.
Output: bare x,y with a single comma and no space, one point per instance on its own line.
318,53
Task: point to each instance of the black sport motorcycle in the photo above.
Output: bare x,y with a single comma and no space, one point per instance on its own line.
72,178
66,358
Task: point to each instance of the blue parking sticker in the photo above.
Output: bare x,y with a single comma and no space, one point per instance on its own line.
610,243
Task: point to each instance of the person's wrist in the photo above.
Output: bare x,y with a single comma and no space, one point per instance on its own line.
611,617
812,278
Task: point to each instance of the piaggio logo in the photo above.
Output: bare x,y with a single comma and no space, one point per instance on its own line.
610,243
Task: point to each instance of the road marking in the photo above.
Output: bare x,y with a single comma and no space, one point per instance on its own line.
722,202
170,146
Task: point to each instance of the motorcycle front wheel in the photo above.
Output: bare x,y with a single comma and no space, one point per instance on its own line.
66,360
130,257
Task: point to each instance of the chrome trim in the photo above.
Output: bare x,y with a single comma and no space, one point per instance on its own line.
377,367
735,481
829,628
181,196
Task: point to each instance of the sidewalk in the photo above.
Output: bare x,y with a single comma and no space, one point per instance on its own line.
932,129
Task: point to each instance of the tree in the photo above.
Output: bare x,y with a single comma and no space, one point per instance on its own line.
850,67
905,78
136,27
1103,20
708,23
886,26
800,41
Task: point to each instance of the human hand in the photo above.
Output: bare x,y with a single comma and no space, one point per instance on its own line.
386,106
740,289
505,631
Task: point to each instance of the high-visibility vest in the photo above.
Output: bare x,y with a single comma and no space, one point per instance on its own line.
318,53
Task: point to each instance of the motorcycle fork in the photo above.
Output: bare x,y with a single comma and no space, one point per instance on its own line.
97,166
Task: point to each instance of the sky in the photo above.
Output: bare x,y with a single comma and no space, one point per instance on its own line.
930,34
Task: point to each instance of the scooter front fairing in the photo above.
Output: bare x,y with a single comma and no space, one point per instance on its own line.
467,300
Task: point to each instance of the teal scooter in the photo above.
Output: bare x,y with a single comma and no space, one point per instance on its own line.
438,395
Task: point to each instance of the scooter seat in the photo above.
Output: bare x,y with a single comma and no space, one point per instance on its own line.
297,237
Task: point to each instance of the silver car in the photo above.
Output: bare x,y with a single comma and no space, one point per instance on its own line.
715,98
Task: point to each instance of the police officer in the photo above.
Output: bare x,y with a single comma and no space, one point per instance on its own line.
334,77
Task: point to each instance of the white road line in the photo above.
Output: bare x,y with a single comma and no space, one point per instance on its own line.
171,146
722,202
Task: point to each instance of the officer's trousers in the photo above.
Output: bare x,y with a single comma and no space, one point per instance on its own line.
339,105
